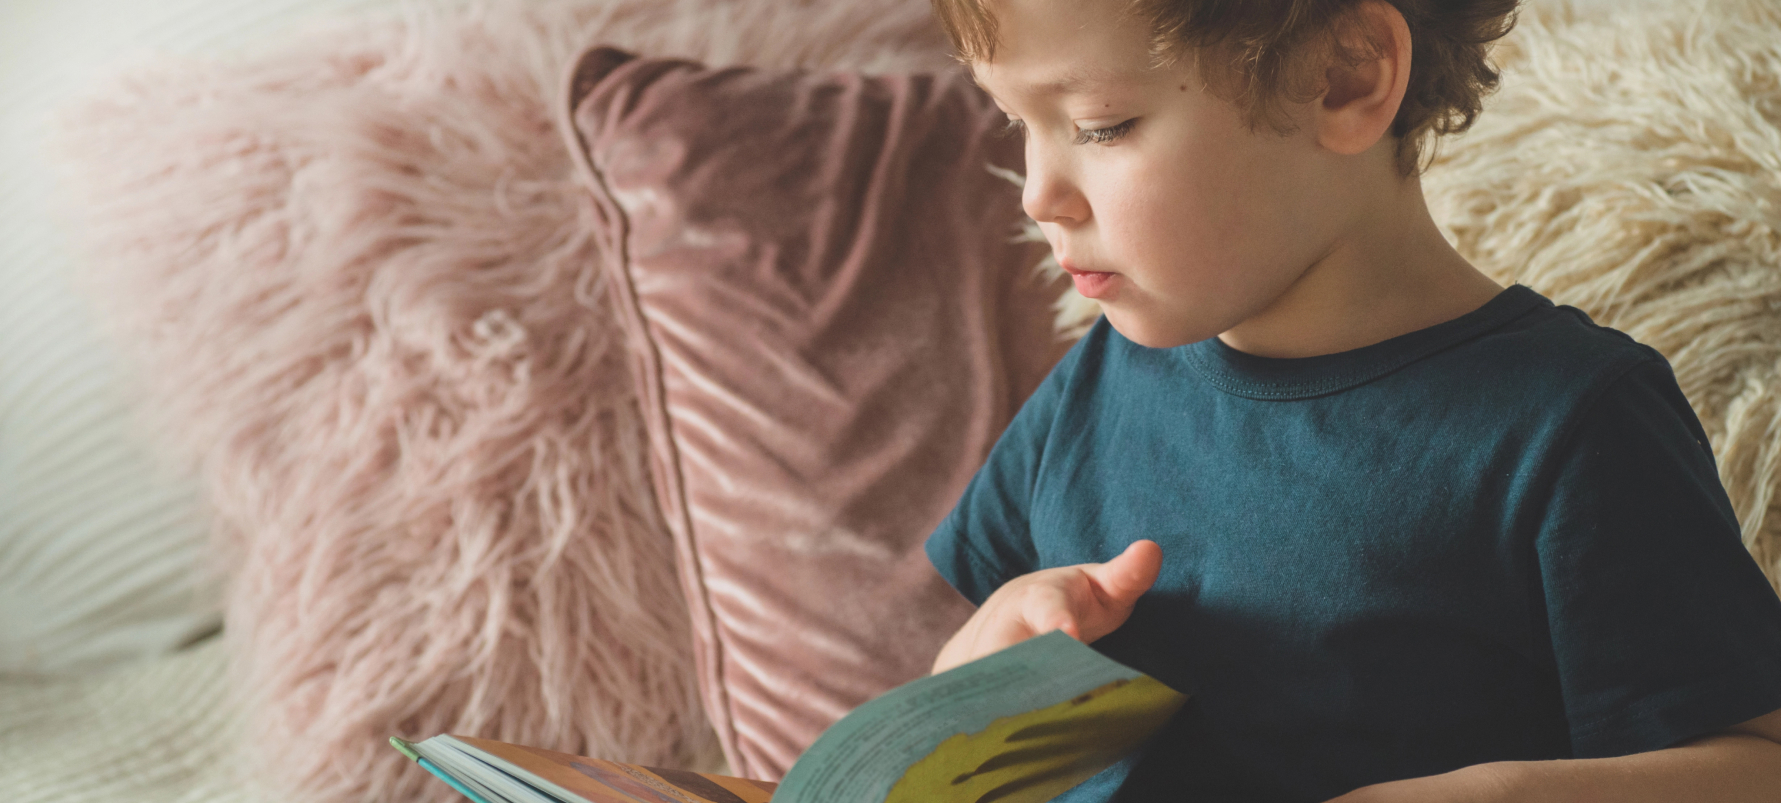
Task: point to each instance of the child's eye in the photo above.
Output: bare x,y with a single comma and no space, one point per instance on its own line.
1014,126
1103,136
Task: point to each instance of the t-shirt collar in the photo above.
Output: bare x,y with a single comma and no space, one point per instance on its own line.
1247,375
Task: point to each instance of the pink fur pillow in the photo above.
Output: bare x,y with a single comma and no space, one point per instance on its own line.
368,309
832,324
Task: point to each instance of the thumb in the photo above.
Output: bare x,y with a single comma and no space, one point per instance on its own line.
1124,578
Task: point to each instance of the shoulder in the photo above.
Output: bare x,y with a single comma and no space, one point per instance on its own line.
1614,424
1554,364
1565,347
1545,383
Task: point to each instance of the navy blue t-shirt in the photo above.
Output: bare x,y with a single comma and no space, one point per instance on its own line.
1499,538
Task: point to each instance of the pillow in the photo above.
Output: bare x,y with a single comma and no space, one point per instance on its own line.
830,324
353,276
1648,195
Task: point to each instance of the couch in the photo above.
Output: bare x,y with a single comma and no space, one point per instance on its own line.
141,513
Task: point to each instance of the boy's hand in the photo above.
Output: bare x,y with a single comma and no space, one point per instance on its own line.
1086,601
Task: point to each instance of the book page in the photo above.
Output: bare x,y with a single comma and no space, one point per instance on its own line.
598,781
1022,725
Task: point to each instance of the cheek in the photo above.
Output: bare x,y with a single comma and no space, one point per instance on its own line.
1177,212
1218,199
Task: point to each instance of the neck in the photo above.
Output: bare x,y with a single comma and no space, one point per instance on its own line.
1391,274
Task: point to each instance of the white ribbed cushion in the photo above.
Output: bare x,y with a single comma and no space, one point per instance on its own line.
155,731
100,549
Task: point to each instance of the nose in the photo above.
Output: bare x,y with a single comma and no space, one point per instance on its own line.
1051,194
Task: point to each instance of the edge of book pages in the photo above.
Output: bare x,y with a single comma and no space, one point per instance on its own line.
1022,725
488,771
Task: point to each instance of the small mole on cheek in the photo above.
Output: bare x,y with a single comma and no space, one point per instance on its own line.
1184,87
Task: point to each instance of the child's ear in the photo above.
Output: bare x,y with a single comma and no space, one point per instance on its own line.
1362,99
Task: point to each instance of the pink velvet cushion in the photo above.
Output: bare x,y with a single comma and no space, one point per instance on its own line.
830,326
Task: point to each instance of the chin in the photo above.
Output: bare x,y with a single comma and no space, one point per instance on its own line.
1151,333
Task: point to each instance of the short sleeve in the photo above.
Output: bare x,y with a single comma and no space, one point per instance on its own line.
986,540
1662,626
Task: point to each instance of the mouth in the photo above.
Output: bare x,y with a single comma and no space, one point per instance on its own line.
1090,283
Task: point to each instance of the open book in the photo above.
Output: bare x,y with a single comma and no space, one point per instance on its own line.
1022,725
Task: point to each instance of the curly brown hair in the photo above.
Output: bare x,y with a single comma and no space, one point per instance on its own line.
1257,51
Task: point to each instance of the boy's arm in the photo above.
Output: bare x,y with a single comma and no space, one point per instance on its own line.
1741,764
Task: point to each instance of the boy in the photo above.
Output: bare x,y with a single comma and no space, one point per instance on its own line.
1405,535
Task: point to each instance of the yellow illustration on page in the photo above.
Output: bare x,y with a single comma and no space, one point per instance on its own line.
1036,756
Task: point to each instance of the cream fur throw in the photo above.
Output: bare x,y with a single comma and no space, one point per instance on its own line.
356,274
1630,166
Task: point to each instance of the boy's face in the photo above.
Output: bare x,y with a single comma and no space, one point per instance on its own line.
1191,222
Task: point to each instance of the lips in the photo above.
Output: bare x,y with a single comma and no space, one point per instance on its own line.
1090,283
1075,269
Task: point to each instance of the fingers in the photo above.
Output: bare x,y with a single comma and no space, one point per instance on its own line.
1054,617
1015,613
1123,579
1104,602
1057,599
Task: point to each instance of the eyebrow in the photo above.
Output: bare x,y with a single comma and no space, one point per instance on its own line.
1070,83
